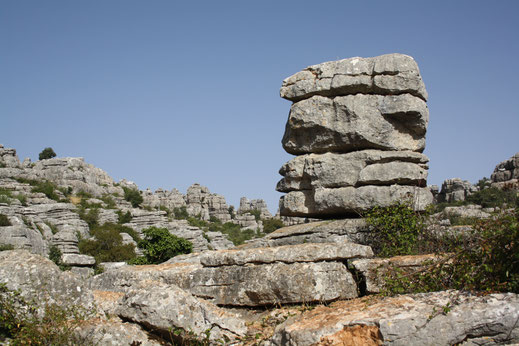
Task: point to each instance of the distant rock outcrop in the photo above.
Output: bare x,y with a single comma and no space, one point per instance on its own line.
455,190
506,173
358,126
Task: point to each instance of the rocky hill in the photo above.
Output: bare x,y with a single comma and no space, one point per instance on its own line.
374,266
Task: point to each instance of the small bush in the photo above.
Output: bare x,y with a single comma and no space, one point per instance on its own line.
233,232
159,245
47,153
180,213
46,187
108,245
55,256
6,247
196,222
123,218
493,197
256,213
91,217
4,220
133,196
395,230
270,225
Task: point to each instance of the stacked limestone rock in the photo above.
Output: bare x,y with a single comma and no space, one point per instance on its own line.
506,173
358,127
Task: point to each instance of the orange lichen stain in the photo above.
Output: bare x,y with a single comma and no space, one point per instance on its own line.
356,335
107,295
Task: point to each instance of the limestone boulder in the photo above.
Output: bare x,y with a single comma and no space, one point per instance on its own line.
350,200
437,318
385,74
506,170
366,167
78,260
356,122
455,190
164,307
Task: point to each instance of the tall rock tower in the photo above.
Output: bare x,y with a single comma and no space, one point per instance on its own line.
358,129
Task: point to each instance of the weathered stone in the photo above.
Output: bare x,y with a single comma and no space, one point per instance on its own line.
418,319
162,198
470,211
66,241
356,122
247,221
22,237
247,205
201,203
40,279
115,333
337,231
286,254
386,74
506,170
366,167
350,200
78,260
8,158
455,190
218,241
271,284
165,307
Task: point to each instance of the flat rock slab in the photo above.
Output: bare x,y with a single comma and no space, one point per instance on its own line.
286,254
255,277
350,200
329,231
365,167
356,122
418,319
385,74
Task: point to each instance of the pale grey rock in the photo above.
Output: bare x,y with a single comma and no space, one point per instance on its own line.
40,279
351,200
112,265
270,284
204,204
385,74
294,220
77,260
356,122
506,174
330,231
218,241
167,306
61,215
254,204
408,320
248,221
66,241
455,189
22,237
107,216
114,332
470,211
82,272
8,158
286,254
366,167
162,198
142,219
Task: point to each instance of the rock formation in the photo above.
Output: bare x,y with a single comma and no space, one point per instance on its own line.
506,173
358,127
455,190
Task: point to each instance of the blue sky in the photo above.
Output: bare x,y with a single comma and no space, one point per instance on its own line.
168,93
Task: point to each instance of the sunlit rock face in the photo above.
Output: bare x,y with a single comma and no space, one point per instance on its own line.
358,127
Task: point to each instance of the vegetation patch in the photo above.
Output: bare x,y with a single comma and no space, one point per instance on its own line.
107,245
4,220
133,196
158,245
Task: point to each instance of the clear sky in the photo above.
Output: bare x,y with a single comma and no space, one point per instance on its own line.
168,93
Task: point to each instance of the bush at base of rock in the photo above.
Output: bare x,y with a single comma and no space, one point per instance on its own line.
270,225
234,232
159,245
493,197
133,196
4,220
108,245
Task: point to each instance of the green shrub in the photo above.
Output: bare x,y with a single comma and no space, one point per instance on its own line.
395,230
47,153
270,225
488,260
493,197
22,199
196,222
180,213
55,256
159,245
6,247
26,323
4,220
123,218
133,196
91,217
108,245
256,213
46,187
52,227
233,232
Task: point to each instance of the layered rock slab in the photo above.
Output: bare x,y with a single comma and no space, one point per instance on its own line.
355,122
253,277
418,319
